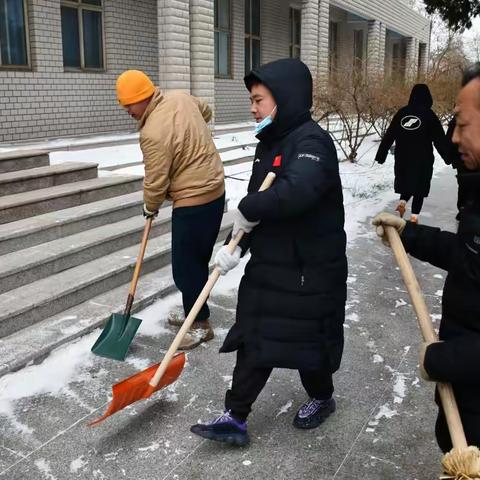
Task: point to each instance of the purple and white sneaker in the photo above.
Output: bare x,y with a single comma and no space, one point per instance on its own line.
313,412
225,428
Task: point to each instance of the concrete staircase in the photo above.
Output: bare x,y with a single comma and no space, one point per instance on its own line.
68,246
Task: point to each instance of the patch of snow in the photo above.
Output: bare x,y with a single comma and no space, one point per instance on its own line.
246,463
45,469
399,388
400,303
69,363
170,395
151,448
377,358
78,464
353,317
285,408
154,317
191,401
385,412
138,363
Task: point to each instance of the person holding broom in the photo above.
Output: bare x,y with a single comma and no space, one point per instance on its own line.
291,299
182,165
455,358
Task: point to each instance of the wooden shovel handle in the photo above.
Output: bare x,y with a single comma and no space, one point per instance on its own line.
138,267
202,298
450,408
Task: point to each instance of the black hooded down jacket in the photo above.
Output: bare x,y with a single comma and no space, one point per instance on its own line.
413,129
457,359
291,300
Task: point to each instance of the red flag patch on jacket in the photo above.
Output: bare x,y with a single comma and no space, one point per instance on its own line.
277,162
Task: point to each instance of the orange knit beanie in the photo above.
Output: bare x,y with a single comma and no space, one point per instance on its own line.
133,86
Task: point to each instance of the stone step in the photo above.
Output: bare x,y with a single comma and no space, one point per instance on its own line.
27,204
44,228
14,161
29,265
34,343
29,304
45,177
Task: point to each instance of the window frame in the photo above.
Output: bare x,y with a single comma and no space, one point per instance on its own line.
229,33
291,22
250,36
28,66
80,6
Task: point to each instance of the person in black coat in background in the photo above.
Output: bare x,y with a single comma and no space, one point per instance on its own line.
456,357
291,299
413,129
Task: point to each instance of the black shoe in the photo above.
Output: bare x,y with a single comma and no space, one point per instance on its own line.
224,429
313,412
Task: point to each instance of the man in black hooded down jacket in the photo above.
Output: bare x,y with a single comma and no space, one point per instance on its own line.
291,299
456,357
413,129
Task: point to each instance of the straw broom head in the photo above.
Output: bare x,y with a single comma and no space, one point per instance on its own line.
462,464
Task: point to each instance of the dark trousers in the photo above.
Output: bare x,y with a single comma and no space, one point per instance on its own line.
194,233
249,381
417,203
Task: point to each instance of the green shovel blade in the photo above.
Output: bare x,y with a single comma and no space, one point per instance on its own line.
116,337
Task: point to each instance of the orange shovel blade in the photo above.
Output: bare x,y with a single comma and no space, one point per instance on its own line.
137,387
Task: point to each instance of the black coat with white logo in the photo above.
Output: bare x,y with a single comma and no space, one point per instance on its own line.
457,359
291,300
413,129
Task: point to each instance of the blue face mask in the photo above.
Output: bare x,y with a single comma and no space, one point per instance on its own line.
264,123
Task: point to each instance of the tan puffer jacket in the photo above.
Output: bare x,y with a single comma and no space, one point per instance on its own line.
181,161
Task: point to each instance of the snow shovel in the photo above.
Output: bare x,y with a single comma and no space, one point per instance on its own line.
120,329
143,384
462,461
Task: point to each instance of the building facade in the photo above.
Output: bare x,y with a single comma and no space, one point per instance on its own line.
59,59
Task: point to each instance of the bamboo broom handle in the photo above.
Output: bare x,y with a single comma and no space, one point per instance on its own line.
450,408
202,298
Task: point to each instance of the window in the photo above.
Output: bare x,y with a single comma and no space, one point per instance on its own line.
295,32
333,48
82,34
223,36
252,35
358,51
13,34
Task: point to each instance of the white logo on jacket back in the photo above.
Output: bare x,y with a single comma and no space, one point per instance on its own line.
410,122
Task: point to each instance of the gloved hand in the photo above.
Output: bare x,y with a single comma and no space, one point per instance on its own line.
422,352
148,214
225,261
390,220
241,223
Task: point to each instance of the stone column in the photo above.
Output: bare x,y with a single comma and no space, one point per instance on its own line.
422,59
202,50
376,48
323,39
310,35
174,44
411,59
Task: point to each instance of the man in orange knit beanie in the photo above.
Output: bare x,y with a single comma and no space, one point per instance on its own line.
181,164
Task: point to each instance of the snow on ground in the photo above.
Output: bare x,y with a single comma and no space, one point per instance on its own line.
367,190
